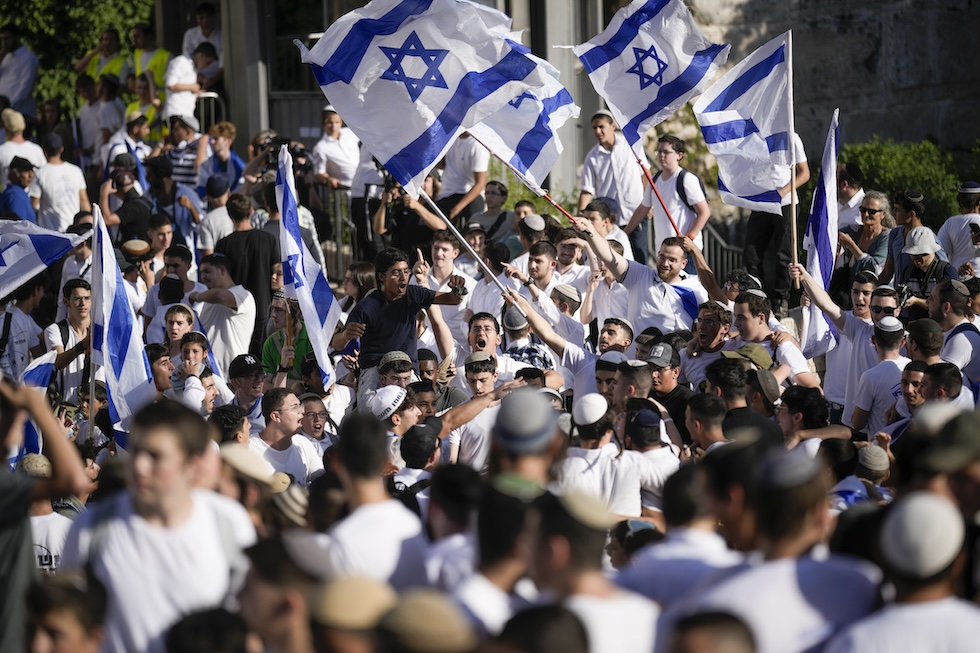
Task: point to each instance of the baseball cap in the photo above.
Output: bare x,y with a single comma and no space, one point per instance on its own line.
122,177
243,365
526,422
20,164
216,186
13,121
663,355
386,401
752,352
473,226
649,334
134,116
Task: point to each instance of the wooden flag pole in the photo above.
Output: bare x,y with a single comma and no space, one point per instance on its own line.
792,157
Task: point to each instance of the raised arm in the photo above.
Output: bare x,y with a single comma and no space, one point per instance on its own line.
600,247
705,274
818,295
537,323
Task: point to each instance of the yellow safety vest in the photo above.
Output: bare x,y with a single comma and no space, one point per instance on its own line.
156,133
112,67
157,65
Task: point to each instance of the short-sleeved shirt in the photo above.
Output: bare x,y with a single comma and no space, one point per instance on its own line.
15,201
879,389
682,213
653,303
60,185
134,216
390,326
957,239
465,158
214,226
613,174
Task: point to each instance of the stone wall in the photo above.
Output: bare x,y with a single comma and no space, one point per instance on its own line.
902,69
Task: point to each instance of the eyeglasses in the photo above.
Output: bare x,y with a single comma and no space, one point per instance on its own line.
887,310
80,300
865,209
665,152
407,272
292,409
315,415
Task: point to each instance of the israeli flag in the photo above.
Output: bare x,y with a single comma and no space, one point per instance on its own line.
746,118
37,375
408,77
818,335
523,134
302,276
27,249
116,341
649,61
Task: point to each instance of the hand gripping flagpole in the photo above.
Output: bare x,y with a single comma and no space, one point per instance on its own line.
646,173
462,241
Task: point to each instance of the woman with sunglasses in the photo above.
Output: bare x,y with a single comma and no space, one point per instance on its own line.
865,247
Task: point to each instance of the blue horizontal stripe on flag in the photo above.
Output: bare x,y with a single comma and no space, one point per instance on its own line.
472,89
778,142
342,64
747,80
728,131
674,89
770,196
612,49
537,137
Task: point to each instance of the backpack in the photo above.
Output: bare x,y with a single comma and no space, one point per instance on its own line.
407,495
681,191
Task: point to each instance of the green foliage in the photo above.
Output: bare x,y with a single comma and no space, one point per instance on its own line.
61,31
893,167
517,191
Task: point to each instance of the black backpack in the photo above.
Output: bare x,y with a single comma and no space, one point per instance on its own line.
681,191
407,495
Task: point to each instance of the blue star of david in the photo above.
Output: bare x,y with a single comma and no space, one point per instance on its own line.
516,102
3,263
413,48
290,274
637,69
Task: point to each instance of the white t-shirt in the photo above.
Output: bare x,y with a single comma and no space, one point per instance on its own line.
49,533
450,560
367,180
963,351
60,185
24,335
474,439
788,354
681,212
465,158
337,157
229,330
957,240
453,315
878,390
610,301
215,226
783,174
692,369
949,625
488,607
614,174
180,70
383,541
863,358
838,360
581,364
665,462
486,296
155,575
302,459
653,303
804,602
667,570
623,623
70,377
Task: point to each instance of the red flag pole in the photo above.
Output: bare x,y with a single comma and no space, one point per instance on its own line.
646,173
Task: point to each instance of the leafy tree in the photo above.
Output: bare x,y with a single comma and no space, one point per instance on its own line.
893,167
61,31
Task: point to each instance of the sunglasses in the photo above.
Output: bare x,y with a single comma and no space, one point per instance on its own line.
887,310
864,209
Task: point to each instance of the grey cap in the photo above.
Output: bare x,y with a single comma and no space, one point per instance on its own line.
663,355
526,423
534,222
513,320
921,535
874,458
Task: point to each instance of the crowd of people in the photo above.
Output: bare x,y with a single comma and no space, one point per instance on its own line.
561,434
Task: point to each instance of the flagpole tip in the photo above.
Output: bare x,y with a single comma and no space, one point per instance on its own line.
304,52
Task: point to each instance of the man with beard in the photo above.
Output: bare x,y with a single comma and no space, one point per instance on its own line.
714,323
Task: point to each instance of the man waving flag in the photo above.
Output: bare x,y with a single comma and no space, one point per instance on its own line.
409,77
648,62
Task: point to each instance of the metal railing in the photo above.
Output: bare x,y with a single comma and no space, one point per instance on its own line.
721,256
338,251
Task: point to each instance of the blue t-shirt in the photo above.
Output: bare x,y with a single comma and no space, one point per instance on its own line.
390,326
14,201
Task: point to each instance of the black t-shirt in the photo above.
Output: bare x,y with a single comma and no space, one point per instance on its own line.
675,402
251,255
390,326
134,217
18,563
746,418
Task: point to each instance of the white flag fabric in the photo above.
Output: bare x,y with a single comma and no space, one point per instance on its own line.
302,277
27,249
524,132
818,335
649,61
117,343
37,375
408,77
746,120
